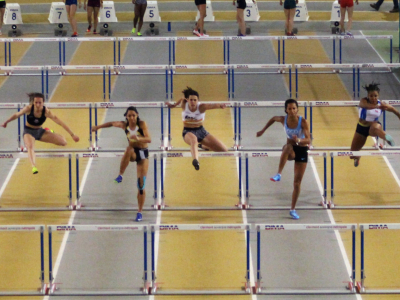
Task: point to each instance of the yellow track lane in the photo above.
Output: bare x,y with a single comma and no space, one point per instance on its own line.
192,259
170,16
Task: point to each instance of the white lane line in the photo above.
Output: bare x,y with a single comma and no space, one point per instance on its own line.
14,166
337,234
70,222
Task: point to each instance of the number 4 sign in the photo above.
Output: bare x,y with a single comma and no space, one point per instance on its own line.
12,14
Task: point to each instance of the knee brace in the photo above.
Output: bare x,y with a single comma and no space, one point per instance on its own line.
141,187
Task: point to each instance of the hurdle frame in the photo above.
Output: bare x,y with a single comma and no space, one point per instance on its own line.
373,226
43,287
262,154
351,285
154,285
8,71
16,106
80,206
144,290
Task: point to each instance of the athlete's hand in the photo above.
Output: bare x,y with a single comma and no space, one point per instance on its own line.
170,105
280,2
260,133
94,128
4,125
133,1
222,106
134,138
75,138
84,6
233,3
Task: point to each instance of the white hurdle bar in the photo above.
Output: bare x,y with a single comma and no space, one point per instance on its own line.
350,285
28,228
9,71
13,155
179,227
16,106
98,228
373,226
78,205
358,153
266,154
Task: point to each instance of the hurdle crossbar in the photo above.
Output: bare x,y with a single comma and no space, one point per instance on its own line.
334,154
373,226
178,227
321,227
28,228
265,154
98,228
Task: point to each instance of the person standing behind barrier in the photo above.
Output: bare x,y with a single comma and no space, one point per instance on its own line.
378,4
346,5
199,27
140,9
138,136
240,7
296,148
71,6
2,11
92,8
289,8
369,111
194,134
36,116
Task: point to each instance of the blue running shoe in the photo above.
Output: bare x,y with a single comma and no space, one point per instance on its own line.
294,214
357,162
118,179
276,178
139,217
389,139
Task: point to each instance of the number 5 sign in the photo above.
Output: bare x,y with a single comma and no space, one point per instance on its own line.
107,12
12,14
152,14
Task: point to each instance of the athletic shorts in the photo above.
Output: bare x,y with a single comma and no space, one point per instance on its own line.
241,4
301,153
364,130
346,3
2,4
289,4
199,2
36,133
141,153
93,3
71,2
199,132
141,1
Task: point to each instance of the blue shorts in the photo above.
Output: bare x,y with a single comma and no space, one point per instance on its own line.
71,2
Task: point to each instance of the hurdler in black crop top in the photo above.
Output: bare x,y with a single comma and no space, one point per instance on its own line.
32,120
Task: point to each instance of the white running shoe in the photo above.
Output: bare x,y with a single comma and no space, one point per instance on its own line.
196,32
204,35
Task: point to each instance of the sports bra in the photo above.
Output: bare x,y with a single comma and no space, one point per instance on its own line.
32,120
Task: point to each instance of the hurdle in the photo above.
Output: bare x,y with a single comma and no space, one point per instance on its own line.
206,154
265,154
15,71
13,155
28,228
80,206
361,285
93,70
350,288
124,105
54,288
155,289
335,68
17,107
375,153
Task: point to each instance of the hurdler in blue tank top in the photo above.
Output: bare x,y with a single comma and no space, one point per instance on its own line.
298,131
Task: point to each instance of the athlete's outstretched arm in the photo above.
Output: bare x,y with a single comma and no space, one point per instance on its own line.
119,124
180,102
365,104
203,107
390,108
146,138
56,120
15,116
279,119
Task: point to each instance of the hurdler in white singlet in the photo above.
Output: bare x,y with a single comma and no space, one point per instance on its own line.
193,119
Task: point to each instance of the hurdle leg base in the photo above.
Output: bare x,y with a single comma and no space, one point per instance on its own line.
60,32
360,289
350,286
331,205
14,32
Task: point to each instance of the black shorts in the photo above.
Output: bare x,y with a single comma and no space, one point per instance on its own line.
301,153
199,132
2,4
199,2
241,4
289,4
364,130
93,3
141,153
36,133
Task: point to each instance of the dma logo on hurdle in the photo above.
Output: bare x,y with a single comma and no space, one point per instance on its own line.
274,227
378,226
169,227
66,228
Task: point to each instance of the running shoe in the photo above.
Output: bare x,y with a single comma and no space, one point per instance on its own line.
342,33
94,31
196,32
139,34
118,179
204,35
294,214
241,34
48,129
35,170
196,164
389,140
133,30
356,162
276,178
374,6
201,147
349,33
394,10
75,34
139,217
89,28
